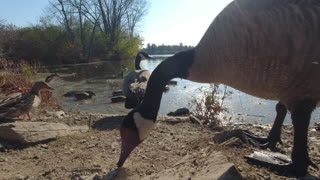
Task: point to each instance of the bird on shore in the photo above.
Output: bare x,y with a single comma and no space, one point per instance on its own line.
51,77
265,48
135,83
80,95
18,104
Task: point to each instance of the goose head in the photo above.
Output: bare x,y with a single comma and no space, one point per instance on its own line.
141,56
133,131
51,77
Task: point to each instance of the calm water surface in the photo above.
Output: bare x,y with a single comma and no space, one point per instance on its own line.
104,78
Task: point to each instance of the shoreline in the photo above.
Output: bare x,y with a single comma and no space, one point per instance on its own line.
95,152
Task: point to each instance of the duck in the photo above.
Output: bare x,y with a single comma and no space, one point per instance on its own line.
268,49
18,104
135,82
80,95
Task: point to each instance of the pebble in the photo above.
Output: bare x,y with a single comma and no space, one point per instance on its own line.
3,159
96,164
44,146
91,145
19,177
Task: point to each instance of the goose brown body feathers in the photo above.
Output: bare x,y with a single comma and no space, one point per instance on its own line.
264,53
266,48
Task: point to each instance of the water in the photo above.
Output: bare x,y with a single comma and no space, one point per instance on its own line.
104,78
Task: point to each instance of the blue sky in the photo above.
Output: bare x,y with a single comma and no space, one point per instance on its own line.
167,22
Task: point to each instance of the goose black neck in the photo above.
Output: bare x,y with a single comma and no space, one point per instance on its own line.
137,62
176,66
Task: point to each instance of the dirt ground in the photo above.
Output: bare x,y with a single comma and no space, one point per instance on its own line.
178,146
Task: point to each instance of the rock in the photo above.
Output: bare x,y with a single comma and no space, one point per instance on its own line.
233,142
117,99
57,114
117,174
180,112
3,159
35,132
269,158
44,146
214,166
91,177
117,93
226,135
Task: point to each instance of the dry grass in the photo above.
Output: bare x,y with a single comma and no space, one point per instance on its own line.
15,78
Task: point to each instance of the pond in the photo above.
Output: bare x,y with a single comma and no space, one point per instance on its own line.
105,77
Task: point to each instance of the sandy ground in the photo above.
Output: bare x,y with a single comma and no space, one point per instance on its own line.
176,146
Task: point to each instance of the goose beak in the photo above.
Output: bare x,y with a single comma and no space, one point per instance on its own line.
129,141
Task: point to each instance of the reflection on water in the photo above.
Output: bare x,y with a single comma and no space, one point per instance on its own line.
104,78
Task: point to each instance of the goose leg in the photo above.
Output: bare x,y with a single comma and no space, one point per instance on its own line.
300,115
274,134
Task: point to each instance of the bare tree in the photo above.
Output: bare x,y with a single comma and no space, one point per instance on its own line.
82,18
121,14
134,15
63,11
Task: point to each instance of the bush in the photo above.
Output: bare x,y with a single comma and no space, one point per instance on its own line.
211,105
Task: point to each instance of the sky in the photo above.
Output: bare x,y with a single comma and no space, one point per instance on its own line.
168,22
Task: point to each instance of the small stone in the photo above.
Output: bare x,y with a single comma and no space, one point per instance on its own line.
114,146
149,172
3,159
44,146
96,165
91,145
36,157
19,177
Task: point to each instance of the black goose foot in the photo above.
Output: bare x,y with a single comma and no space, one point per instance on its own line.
262,142
300,168
297,169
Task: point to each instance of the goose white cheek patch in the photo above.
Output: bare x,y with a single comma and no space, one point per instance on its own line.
144,125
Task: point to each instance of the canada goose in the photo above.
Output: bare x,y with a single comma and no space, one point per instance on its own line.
17,104
51,77
135,83
266,48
